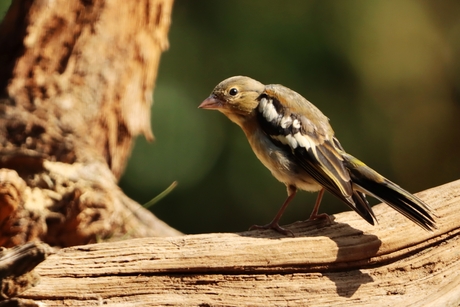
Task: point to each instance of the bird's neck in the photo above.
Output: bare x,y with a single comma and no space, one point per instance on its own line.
248,124
245,121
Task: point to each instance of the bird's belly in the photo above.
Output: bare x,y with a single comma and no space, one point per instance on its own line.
281,164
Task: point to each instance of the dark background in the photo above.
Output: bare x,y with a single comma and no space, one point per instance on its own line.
386,73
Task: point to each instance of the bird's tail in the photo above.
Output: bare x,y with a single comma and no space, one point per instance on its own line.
368,181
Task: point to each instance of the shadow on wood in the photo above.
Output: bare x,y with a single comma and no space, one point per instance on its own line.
349,262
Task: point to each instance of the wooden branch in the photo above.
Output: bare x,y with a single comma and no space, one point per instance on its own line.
348,263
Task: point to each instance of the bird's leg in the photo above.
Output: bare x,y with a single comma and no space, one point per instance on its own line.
314,214
291,191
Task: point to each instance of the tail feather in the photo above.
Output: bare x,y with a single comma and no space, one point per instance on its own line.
402,201
368,181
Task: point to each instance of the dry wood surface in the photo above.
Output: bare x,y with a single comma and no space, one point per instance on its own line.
347,263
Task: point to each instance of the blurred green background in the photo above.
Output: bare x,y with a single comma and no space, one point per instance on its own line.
386,73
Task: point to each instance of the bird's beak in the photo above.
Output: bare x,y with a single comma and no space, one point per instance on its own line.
211,103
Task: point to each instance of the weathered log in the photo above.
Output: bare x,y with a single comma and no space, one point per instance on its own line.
347,263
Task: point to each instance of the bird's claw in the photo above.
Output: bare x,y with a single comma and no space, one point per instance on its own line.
321,216
274,226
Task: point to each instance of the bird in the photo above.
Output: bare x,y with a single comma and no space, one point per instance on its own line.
295,141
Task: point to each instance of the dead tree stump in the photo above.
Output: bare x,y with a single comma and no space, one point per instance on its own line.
77,80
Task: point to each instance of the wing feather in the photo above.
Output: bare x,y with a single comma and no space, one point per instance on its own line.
311,144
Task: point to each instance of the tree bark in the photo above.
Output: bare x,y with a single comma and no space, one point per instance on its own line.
347,263
16,265
77,86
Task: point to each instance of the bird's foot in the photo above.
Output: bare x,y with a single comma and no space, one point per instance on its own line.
321,216
274,226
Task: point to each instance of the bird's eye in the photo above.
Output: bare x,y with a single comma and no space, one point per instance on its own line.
233,91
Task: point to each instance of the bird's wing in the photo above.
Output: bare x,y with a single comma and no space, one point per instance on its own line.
293,122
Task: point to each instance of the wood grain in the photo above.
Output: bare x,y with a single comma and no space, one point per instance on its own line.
349,262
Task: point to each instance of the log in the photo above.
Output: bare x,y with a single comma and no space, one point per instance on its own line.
348,262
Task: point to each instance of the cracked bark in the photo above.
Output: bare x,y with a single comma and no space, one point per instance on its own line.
77,86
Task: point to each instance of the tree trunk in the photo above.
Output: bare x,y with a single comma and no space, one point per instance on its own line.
77,82
348,263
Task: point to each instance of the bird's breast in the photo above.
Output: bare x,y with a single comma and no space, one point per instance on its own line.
280,162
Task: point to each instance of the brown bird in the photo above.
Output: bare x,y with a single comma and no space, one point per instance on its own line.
295,141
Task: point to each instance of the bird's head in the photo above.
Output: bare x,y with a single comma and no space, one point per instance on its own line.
236,97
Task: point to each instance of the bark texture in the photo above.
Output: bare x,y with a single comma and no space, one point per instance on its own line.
76,88
348,263
16,265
